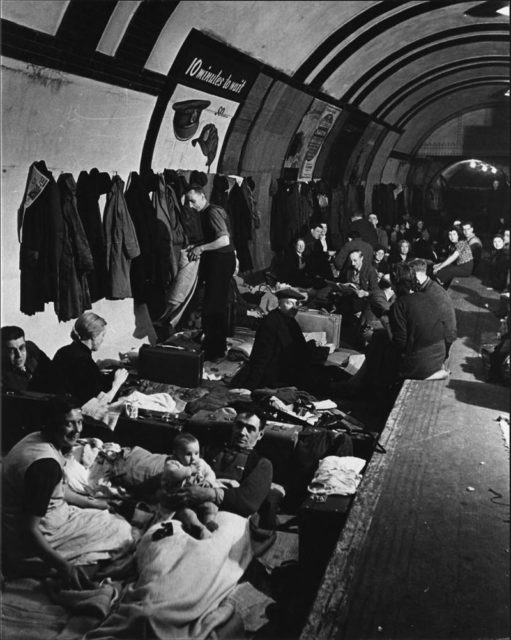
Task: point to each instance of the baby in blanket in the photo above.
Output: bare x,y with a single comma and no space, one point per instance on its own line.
184,468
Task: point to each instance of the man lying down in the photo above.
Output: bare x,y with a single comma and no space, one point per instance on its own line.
183,579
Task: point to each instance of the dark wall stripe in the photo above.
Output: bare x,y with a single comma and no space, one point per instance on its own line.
372,33
441,93
433,75
42,49
143,31
454,34
83,23
341,34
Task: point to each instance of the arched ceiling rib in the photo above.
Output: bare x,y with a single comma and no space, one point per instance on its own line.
440,74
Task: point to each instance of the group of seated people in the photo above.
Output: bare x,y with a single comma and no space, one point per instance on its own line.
48,527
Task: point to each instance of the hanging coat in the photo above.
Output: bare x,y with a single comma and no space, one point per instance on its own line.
121,242
241,224
76,259
146,284
40,231
89,187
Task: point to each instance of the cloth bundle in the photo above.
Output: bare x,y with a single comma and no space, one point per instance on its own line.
339,475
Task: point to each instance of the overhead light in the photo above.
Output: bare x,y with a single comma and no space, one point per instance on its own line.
484,168
504,11
472,164
493,170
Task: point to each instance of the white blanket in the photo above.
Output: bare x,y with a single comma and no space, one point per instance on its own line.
181,584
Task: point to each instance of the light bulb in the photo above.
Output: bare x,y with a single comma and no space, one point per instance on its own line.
493,170
472,164
504,11
484,168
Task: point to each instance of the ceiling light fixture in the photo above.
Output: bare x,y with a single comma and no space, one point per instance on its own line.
504,11
493,170
484,168
472,164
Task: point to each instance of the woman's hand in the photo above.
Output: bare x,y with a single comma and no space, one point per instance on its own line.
436,267
74,577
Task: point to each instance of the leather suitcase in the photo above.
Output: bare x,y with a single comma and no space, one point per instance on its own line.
313,320
171,364
278,444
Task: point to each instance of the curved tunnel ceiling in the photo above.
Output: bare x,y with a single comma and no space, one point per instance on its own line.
408,64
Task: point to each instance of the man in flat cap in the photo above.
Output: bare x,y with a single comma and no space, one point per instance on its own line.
280,356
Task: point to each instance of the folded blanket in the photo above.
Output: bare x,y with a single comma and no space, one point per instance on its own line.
182,583
339,475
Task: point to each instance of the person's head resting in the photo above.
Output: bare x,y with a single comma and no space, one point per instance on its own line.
356,259
403,246
63,424
196,198
373,219
14,348
248,428
89,329
420,267
186,448
289,301
403,278
498,242
454,234
468,229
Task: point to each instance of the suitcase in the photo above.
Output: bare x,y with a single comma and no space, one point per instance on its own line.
312,320
278,444
171,364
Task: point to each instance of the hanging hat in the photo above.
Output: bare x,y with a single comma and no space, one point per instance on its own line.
290,293
198,179
187,116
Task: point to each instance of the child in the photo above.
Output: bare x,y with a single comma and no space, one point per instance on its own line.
184,468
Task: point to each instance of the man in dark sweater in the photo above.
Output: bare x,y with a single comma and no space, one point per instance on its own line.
246,475
22,361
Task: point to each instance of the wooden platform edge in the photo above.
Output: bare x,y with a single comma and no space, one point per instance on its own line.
329,610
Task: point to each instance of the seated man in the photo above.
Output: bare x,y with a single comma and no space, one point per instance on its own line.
247,475
22,361
475,244
355,243
359,291
316,251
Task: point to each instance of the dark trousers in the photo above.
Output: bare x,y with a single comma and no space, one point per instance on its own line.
451,271
216,271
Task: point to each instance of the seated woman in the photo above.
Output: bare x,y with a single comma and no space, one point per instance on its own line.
41,527
458,264
499,264
402,252
73,369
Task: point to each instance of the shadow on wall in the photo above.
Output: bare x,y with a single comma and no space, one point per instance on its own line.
490,396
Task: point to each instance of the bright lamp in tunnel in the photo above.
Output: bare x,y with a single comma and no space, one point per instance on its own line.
472,164
504,11
493,170
484,168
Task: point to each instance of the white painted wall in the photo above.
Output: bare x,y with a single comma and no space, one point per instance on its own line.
72,123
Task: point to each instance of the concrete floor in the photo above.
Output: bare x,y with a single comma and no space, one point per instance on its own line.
433,560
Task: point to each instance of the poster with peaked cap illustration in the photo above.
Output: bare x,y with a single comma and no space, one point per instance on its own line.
212,82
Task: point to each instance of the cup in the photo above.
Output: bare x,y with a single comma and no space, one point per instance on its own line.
131,409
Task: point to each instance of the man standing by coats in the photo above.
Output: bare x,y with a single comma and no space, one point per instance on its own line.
217,264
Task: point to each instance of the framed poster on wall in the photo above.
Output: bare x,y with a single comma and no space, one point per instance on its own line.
211,83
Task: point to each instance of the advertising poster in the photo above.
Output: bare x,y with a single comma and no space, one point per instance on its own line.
212,83
309,138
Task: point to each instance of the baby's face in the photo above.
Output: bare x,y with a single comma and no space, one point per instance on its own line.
188,454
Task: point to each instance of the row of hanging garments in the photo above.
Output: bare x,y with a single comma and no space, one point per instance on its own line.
296,203
390,203
72,255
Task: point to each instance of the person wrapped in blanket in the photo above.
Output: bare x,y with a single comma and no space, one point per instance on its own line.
46,525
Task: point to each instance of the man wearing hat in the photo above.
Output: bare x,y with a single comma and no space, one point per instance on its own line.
217,264
280,356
